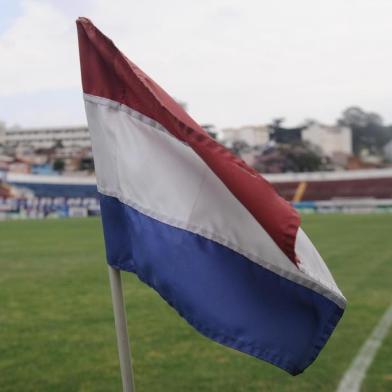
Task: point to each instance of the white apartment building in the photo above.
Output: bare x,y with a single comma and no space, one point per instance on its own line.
253,135
2,134
331,139
48,137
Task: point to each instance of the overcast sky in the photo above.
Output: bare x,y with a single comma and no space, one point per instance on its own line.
233,62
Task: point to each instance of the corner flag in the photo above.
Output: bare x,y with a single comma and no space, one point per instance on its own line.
194,222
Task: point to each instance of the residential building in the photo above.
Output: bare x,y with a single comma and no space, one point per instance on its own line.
253,135
2,134
388,151
48,137
331,139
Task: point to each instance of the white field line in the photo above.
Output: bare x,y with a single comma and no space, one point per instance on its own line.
352,379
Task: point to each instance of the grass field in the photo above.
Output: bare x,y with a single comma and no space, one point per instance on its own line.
56,323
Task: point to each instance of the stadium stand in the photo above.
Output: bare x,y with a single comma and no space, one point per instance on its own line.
39,196
334,185
55,186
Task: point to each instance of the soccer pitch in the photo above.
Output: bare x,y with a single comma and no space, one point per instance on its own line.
56,320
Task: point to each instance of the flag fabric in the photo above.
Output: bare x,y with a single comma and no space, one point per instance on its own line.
194,222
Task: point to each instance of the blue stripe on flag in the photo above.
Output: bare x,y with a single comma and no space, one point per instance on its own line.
221,293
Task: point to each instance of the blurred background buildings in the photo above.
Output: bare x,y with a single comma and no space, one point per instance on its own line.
318,167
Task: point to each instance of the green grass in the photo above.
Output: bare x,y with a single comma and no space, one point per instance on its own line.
56,323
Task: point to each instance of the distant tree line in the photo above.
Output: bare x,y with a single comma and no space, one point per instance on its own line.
289,153
368,130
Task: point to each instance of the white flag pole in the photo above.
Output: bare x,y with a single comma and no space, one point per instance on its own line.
120,321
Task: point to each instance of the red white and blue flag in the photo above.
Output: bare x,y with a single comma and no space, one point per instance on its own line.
197,224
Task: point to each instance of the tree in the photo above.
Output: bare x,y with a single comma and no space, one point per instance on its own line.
59,165
368,130
303,158
239,146
295,157
58,144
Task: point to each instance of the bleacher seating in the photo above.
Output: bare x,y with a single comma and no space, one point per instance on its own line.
59,190
317,186
379,188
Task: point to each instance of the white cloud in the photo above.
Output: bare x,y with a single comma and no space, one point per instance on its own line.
233,62
38,51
